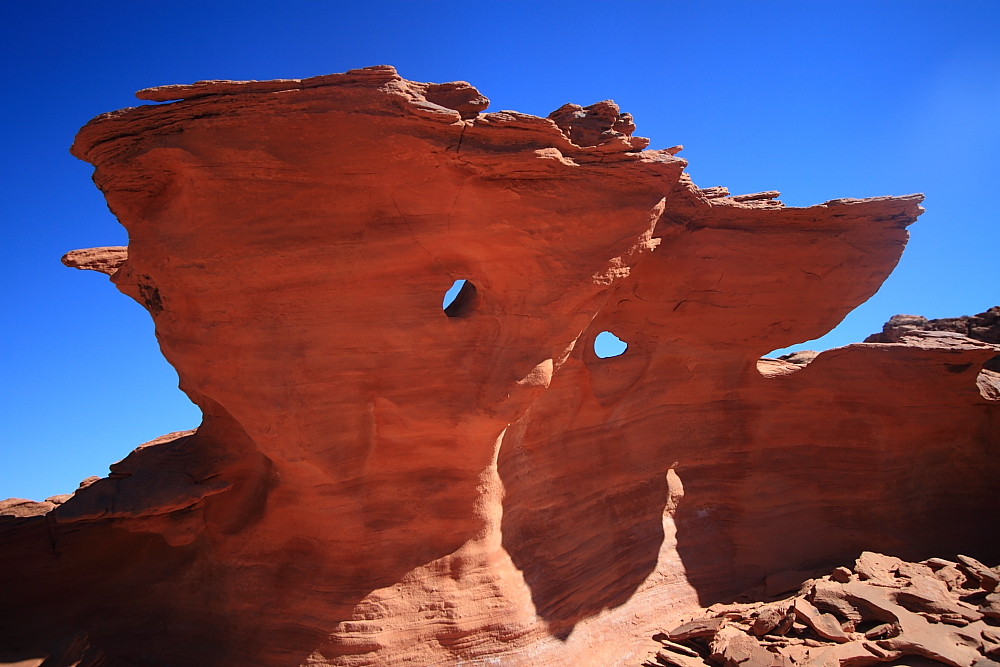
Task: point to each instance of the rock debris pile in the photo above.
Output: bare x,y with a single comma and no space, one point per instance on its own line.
885,610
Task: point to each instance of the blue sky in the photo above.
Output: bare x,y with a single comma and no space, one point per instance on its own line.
817,99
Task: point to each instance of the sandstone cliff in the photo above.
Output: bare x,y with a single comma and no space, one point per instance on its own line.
379,481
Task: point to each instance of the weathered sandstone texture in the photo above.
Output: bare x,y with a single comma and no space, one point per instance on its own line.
379,481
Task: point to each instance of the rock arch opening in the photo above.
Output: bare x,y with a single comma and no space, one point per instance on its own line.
607,345
460,299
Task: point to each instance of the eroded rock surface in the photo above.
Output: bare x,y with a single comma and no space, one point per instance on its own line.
379,481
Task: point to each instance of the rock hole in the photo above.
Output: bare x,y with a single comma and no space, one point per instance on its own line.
609,345
460,299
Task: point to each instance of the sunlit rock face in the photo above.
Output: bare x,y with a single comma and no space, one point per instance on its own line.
379,480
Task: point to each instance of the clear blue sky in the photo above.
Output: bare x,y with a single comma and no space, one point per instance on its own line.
816,99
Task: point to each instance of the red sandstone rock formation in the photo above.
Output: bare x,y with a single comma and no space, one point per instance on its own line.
380,482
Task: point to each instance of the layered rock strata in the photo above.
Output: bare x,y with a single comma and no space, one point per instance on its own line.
378,480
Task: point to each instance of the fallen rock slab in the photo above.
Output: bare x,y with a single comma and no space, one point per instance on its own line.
824,625
888,602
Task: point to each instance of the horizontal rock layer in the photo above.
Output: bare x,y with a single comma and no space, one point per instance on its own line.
378,480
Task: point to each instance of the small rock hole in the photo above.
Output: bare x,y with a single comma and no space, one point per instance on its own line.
460,299
609,345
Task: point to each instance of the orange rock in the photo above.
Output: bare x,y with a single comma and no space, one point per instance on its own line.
989,579
698,628
852,654
732,647
775,618
824,625
377,481
105,260
917,636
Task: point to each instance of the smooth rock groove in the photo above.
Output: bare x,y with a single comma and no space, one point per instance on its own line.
379,482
